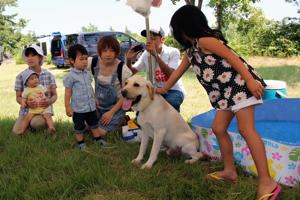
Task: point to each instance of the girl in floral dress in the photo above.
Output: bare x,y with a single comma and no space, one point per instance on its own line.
233,87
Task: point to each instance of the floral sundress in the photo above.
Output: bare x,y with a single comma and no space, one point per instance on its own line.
224,85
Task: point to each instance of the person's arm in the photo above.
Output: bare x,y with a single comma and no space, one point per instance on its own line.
213,45
23,102
129,57
107,116
24,98
183,66
163,66
118,105
49,101
168,68
19,97
68,94
30,103
53,95
19,88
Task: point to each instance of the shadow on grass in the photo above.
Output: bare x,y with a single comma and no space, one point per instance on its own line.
64,130
289,74
61,68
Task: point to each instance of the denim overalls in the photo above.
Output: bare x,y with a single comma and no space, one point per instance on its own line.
107,97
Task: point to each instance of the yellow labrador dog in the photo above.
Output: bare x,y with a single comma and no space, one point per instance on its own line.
160,121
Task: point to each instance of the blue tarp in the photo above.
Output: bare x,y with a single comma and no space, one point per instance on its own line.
277,120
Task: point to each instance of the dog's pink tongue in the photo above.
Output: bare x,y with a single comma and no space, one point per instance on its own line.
126,104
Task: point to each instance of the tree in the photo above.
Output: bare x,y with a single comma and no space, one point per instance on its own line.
89,28
249,32
10,29
231,10
224,9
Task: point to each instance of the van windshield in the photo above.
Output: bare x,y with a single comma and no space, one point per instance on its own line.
91,39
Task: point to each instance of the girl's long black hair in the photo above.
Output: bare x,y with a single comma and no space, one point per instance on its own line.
190,21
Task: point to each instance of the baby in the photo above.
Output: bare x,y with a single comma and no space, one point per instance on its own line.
33,91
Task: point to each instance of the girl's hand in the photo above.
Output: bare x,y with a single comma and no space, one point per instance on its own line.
106,118
69,111
160,91
256,88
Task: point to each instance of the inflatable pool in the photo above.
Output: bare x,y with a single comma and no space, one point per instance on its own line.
278,123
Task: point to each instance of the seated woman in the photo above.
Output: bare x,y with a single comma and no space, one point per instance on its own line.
109,73
33,56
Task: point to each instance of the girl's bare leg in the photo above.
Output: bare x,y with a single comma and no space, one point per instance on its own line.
245,118
219,127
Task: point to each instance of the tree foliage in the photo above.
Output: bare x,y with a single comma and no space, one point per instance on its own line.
225,10
249,32
228,10
10,29
89,28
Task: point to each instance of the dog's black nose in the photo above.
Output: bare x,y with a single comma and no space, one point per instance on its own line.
124,93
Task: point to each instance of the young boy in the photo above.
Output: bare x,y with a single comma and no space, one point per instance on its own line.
80,101
33,91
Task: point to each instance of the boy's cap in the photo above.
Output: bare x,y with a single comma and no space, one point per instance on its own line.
26,74
156,31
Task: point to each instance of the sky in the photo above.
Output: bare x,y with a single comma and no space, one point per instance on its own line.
68,16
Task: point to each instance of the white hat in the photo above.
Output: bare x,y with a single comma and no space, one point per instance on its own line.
157,31
26,74
37,48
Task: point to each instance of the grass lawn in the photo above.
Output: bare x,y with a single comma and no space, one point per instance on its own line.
38,166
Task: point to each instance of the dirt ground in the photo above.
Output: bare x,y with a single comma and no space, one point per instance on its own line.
269,61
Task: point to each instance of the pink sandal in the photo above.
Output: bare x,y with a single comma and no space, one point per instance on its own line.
274,194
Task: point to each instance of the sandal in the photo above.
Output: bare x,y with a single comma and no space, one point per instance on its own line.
214,177
274,194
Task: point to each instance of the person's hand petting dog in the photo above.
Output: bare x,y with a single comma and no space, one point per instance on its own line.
160,90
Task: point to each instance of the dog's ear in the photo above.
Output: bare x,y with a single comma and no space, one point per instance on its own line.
150,91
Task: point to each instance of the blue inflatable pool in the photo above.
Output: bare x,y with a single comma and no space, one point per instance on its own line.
278,123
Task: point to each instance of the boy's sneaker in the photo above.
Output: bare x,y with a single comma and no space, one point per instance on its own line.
82,146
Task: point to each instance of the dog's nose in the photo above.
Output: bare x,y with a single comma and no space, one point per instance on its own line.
124,93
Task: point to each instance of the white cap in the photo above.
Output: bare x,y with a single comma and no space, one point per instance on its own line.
157,31
37,48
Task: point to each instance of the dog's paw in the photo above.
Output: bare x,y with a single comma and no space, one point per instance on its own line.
146,166
136,161
190,161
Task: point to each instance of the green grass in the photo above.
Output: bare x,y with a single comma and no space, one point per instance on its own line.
38,166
